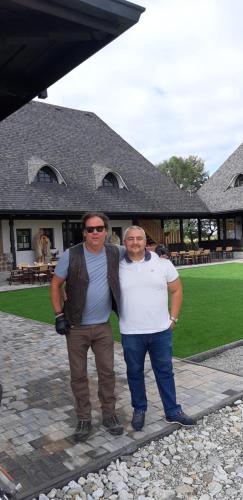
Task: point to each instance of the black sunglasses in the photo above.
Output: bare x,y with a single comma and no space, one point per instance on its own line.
92,229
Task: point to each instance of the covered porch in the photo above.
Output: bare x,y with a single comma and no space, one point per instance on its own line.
219,234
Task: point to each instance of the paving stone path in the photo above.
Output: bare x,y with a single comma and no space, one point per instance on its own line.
37,417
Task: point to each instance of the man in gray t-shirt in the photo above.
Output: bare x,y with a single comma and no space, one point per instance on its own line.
91,273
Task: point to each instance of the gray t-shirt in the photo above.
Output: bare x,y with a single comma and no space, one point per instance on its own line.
98,300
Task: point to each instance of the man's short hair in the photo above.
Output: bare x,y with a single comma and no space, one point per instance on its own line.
89,215
134,227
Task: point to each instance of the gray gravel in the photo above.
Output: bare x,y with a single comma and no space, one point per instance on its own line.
201,463
230,361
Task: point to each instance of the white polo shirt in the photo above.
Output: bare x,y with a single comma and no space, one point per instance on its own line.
144,294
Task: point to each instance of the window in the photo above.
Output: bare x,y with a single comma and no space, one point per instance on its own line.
230,229
46,174
23,239
236,181
209,229
239,181
110,180
48,231
190,230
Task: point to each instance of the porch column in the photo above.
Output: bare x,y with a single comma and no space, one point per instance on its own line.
181,231
224,231
162,225
67,233
12,242
218,229
199,228
1,238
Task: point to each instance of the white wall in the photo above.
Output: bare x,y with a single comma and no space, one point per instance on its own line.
28,256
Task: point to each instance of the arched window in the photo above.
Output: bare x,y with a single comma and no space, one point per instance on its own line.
239,180
46,174
110,180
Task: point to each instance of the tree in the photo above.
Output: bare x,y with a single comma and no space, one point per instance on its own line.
188,173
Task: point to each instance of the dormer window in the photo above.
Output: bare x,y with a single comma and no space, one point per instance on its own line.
239,180
236,181
110,180
46,174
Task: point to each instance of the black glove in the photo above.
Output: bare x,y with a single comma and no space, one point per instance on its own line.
62,324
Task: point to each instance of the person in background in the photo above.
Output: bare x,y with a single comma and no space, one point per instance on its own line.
162,251
146,324
90,270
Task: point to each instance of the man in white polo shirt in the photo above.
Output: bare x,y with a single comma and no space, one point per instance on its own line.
146,324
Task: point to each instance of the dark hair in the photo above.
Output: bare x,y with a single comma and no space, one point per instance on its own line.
161,250
89,215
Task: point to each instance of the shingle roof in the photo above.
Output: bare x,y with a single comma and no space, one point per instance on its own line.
216,192
81,146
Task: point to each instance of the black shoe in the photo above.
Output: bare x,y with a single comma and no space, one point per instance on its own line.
181,419
138,419
113,425
83,429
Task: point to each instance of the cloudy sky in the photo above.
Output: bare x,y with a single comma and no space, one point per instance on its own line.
172,84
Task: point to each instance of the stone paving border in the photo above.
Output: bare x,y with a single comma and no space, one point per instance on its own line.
202,356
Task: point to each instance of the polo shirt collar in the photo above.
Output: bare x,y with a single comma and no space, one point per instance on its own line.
147,257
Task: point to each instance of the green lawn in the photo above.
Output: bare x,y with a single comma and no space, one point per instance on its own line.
212,312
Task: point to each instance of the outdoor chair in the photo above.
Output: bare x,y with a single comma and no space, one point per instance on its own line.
181,257
41,274
174,257
198,256
206,256
50,272
229,252
16,276
28,277
189,257
219,252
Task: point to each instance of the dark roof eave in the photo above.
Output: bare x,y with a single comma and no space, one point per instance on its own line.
38,53
75,213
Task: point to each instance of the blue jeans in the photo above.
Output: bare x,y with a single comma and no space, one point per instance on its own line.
159,347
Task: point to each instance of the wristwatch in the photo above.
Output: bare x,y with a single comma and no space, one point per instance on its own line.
175,320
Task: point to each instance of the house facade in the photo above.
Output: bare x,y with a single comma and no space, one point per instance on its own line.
223,195
58,163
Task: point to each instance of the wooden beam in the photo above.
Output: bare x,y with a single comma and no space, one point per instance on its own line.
12,242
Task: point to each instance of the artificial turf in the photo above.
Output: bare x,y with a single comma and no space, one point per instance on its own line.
212,312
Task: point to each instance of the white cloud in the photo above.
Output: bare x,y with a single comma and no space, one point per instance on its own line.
172,84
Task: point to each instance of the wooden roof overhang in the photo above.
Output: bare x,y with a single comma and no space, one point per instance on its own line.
42,40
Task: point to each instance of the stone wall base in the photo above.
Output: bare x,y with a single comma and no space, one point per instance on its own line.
4,264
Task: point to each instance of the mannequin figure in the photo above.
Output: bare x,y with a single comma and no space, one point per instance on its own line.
114,238
42,246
